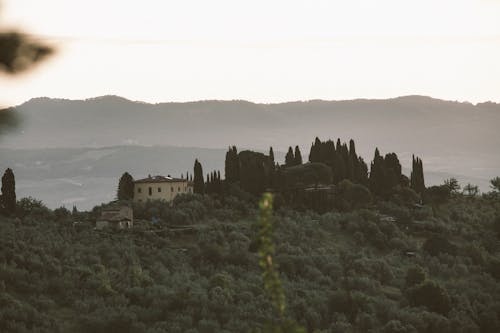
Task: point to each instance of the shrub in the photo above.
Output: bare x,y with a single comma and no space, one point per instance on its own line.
431,295
414,275
438,244
352,195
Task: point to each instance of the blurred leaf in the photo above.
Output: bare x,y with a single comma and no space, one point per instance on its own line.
19,53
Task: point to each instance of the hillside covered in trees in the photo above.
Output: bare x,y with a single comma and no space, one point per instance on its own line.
358,248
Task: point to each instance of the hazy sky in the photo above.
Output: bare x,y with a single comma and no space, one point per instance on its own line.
264,51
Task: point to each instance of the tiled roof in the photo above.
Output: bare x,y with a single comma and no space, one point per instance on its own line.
159,179
116,213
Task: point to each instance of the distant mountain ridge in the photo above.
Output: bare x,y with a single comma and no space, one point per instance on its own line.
112,120
457,138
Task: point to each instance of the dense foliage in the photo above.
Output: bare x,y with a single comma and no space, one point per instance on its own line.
391,268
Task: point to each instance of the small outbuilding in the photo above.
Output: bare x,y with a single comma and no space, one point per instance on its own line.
116,216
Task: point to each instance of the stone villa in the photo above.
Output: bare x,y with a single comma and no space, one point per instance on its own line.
160,188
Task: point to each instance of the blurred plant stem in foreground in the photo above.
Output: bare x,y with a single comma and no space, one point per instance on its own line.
270,275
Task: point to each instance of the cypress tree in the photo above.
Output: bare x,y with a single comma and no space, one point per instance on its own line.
314,153
228,166
236,164
232,165
378,174
350,168
413,174
417,175
298,156
339,171
330,152
219,183
393,170
289,158
9,191
272,169
362,175
199,185
125,187
208,185
344,151
323,153
352,147
354,162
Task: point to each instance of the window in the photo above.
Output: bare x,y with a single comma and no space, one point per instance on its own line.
172,189
159,189
139,190
178,189
150,191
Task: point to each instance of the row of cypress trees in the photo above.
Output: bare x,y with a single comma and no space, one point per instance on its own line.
213,185
255,172
291,158
342,159
385,171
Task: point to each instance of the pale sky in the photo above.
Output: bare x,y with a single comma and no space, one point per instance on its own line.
262,51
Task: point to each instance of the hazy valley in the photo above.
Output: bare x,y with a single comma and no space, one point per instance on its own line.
72,152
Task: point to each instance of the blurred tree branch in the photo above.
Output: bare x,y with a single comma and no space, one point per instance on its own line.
19,53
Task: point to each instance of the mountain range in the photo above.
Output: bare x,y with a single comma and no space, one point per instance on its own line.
453,138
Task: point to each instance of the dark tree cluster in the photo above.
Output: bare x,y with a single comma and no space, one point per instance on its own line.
256,171
292,158
213,184
317,183
385,173
342,159
253,171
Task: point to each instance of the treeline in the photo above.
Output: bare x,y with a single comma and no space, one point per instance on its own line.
334,177
330,165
